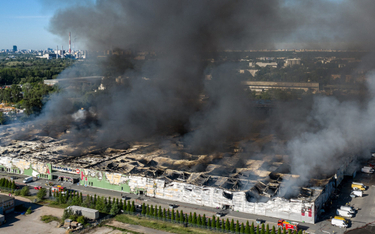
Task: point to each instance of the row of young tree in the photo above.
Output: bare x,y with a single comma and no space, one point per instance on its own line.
115,205
5,183
211,223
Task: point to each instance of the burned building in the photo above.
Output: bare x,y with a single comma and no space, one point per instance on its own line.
262,186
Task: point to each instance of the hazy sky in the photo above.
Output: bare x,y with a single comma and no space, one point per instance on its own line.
24,23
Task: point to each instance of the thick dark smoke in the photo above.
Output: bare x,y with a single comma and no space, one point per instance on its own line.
165,96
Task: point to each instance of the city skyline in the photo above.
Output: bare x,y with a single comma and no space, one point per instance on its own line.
25,24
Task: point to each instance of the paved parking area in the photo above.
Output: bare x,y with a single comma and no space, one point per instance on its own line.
17,223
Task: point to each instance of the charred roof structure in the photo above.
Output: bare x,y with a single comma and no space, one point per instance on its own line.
262,185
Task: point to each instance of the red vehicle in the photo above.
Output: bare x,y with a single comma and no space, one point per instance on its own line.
287,225
37,187
58,188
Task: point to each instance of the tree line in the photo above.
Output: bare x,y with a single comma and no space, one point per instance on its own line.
114,206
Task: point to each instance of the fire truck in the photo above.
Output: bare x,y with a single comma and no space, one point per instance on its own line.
287,225
59,188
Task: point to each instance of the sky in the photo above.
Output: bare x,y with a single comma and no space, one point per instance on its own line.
25,23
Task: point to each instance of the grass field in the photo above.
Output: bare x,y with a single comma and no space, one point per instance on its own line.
160,225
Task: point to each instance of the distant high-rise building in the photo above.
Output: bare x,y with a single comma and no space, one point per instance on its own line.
14,48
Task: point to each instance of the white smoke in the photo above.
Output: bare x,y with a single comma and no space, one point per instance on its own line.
340,129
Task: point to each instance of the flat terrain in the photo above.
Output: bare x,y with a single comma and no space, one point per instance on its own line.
17,223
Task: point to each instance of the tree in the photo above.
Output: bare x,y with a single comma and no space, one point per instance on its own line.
300,232
213,222
263,229
143,209
242,229
152,210
217,225
172,215
159,213
232,226
41,193
279,231
258,229
114,209
156,211
13,185
237,227
164,214
199,220
190,219
49,192
204,223
194,218
122,205
25,191
177,216
209,223
182,216
100,205
227,225
128,207
284,230
273,230
94,199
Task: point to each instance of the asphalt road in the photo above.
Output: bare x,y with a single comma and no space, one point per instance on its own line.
365,205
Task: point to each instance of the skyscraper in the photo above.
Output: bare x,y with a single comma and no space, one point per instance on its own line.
14,48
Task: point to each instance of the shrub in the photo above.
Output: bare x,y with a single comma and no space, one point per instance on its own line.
81,219
49,218
25,191
41,193
29,210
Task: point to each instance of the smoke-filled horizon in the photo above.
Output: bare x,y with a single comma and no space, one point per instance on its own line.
169,100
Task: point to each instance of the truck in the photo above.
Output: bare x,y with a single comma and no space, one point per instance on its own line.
344,213
287,225
358,186
368,170
85,212
28,180
356,193
348,208
339,222
59,189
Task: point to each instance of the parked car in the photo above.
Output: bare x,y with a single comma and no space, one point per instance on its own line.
219,214
37,187
172,206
